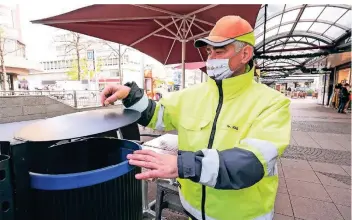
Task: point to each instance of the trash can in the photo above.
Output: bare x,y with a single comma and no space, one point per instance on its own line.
88,178
6,204
80,146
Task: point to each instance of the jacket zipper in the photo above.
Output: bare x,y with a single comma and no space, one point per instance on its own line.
211,139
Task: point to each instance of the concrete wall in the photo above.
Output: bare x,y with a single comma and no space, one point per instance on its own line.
24,108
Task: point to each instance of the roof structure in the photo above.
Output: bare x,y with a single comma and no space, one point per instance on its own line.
298,29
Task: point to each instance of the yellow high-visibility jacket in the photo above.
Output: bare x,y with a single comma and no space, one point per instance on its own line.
230,134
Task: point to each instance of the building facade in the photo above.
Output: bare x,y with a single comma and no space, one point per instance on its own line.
13,48
101,56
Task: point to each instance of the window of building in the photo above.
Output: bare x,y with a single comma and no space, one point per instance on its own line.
114,73
10,46
6,18
126,58
115,61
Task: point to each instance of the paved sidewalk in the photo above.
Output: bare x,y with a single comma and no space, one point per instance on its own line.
315,170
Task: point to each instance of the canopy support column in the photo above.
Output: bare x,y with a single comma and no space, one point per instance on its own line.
183,77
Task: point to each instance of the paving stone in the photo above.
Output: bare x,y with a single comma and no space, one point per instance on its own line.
283,205
347,169
280,171
299,164
329,181
282,186
318,155
345,211
303,139
342,180
293,141
339,195
327,168
299,174
326,141
322,127
310,209
307,190
282,217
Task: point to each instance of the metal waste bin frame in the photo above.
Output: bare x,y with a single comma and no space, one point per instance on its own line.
20,161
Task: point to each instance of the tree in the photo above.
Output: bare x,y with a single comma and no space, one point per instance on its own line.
86,72
119,52
3,52
74,44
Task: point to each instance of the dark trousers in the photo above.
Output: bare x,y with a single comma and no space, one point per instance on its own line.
342,105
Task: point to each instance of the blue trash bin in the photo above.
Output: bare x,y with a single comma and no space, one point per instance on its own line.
87,179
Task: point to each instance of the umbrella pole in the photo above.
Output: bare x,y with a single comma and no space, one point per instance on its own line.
183,64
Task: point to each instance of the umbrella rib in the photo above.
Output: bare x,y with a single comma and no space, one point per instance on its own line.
164,36
201,10
168,55
173,43
99,20
205,22
198,35
200,54
189,26
176,14
151,34
157,9
195,24
159,23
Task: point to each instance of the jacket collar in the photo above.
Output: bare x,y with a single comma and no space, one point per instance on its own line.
234,86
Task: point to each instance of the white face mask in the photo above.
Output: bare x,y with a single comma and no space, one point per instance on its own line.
219,69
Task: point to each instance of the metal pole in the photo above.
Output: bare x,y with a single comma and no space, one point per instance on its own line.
183,83
324,88
120,61
265,18
142,71
145,195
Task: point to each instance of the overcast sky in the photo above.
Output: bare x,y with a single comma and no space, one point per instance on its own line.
37,37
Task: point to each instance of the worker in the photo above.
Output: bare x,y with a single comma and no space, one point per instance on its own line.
231,131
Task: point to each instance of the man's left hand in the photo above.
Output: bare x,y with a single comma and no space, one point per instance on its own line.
160,165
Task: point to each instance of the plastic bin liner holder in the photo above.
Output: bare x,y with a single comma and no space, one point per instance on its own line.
88,178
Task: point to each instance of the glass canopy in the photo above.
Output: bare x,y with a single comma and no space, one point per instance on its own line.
293,26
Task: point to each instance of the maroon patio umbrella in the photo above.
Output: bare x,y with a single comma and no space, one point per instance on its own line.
191,66
164,32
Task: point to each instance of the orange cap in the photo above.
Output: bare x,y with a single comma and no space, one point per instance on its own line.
225,31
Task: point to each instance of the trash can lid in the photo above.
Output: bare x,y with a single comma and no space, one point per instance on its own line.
76,125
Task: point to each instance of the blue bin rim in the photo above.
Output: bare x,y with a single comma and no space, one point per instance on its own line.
83,179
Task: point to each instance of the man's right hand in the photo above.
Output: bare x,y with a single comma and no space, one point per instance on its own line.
112,93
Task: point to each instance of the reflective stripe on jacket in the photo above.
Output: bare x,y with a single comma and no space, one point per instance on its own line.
231,134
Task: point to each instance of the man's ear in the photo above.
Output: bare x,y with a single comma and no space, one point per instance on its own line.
247,54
